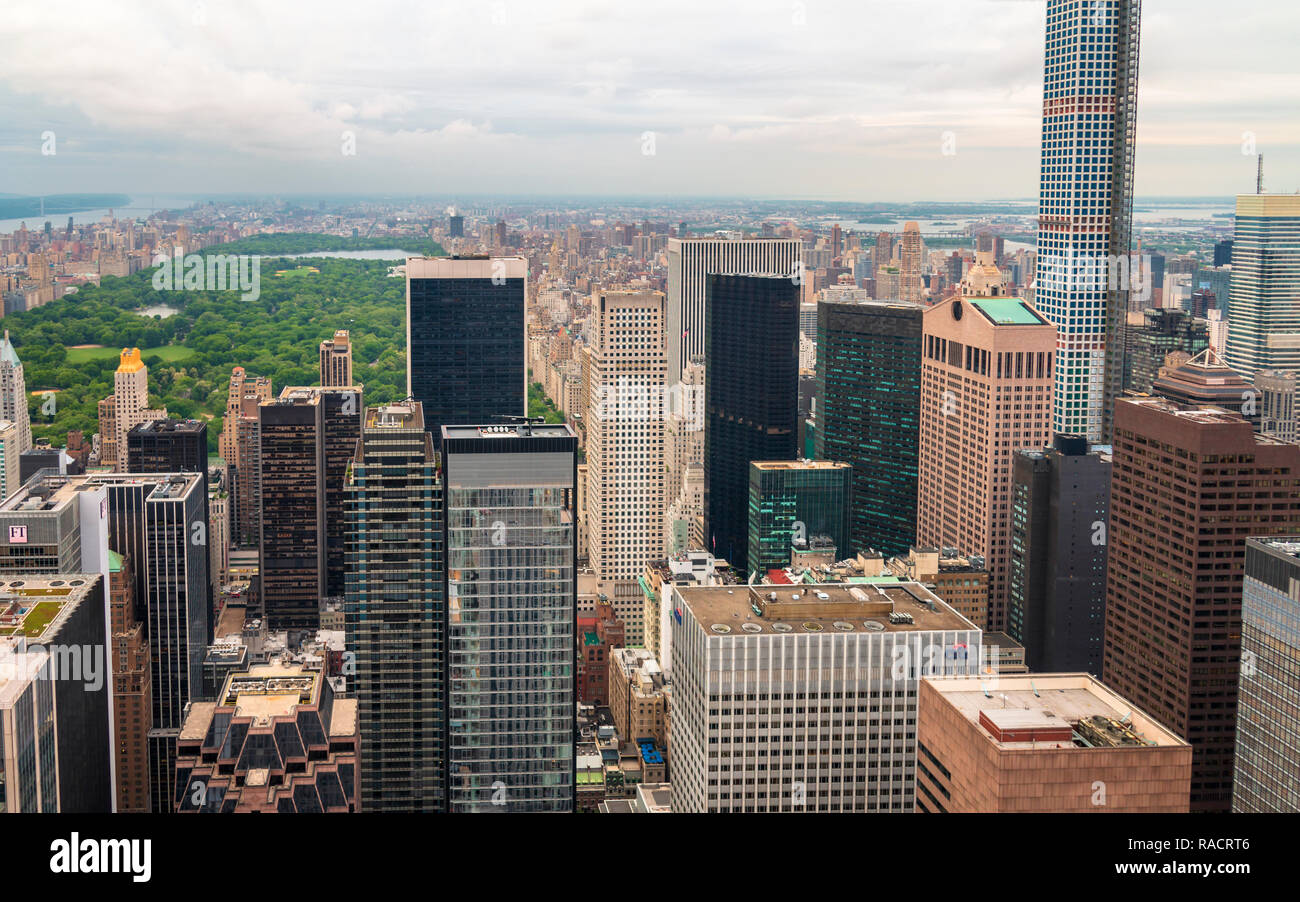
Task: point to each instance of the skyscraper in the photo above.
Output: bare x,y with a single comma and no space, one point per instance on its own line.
132,689
625,448
13,394
336,360
1056,603
1086,201
465,355
1264,298
751,387
511,616
1189,485
911,253
11,440
868,414
777,671
1152,335
1267,730
169,446
690,262
986,391
801,505
291,561
395,611
57,754
130,405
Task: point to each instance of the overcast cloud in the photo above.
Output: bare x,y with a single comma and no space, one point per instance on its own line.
767,98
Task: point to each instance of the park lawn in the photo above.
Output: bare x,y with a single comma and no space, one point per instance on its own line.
169,353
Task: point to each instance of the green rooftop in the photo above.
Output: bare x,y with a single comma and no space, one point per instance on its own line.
114,561
1007,311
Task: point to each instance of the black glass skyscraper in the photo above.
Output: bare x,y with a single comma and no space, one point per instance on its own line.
465,357
868,414
751,390
1056,606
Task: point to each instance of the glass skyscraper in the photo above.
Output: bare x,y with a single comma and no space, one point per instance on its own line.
394,613
1264,298
465,358
751,391
868,414
797,503
1267,766
1086,202
511,616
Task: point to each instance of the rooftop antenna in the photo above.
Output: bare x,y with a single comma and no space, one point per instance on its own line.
1259,176
526,422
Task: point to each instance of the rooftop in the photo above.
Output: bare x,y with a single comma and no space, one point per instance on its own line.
35,606
1007,311
510,430
799,465
1042,711
816,608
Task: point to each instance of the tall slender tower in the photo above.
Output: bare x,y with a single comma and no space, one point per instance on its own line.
1086,203
395,610
625,448
911,286
751,389
13,394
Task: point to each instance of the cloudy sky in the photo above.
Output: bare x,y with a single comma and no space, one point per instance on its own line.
845,100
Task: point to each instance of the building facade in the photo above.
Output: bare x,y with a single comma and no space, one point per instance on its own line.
1264,316
1189,485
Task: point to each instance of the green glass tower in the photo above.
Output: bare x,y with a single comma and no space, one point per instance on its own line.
796,504
868,414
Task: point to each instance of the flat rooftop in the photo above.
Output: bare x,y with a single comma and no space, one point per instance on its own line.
35,606
510,430
1053,705
827,607
799,465
1287,545
1204,413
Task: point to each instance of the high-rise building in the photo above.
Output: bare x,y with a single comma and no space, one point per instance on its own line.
132,689
1152,335
911,255
11,450
511,616
1085,203
293,744
1205,379
868,402
130,406
1223,252
13,394
751,388
1043,743
986,392
336,360
1267,730
794,507
341,414
1279,404
625,448
395,611
1264,300
1056,601
291,560
169,446
690,263
1189,485
455,226
465,354
774,669
57,753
